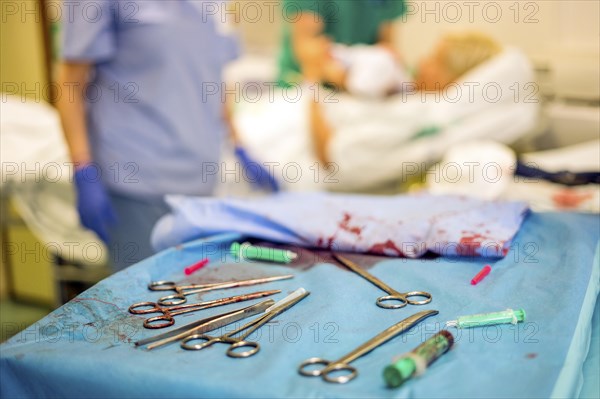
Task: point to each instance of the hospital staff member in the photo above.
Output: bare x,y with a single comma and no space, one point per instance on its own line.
314,24
141,123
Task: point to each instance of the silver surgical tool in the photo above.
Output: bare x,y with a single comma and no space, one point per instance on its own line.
401,299
181,291
240,342
205,325
343,364
166,318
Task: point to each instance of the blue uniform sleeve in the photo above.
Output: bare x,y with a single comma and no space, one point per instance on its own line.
89,30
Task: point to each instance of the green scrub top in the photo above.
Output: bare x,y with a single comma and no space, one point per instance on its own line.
346,21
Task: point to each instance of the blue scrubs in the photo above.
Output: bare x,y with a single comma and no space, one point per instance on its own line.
154,108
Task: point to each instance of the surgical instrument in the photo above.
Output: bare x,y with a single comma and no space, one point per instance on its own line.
181,291
169,312
205,325
402,297
343,364
240,342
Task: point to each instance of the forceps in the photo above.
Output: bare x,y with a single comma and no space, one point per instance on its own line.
402,297
168,313
240,342
343,364
181,291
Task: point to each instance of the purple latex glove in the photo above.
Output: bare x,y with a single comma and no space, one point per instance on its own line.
93,204
257,174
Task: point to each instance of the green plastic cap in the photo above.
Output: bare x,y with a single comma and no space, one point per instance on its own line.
396,374
392,376
520,315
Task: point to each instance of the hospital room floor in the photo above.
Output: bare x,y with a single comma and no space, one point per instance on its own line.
15,316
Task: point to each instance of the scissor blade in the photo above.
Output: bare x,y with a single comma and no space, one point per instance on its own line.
287,302
205,325
364,274
273,311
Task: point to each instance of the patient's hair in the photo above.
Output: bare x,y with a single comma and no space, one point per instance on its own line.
464,51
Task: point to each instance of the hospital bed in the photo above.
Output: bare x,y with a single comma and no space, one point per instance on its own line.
375,143
36,181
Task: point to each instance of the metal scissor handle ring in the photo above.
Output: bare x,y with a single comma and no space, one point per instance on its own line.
207,341
423,294
172,300
381,302
162,286
254,348
340,379
133,309
316,372
166,321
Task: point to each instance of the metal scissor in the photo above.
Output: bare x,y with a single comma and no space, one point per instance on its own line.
402,297
169,312
240,342
343,364
181,291
204,325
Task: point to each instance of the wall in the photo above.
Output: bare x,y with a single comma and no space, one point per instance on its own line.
22,59
22,72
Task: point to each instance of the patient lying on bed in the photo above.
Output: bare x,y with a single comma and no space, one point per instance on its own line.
468,89
454,56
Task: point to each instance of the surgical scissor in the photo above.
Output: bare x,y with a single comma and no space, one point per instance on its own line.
169,312
204,325
240,342
343,364
402,297
181,291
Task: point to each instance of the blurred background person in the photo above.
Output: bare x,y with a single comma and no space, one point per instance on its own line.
316,37
141,124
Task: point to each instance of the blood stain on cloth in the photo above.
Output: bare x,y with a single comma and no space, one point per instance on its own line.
95,300
531,355
385,248
345,225
469,245
570,199
330,242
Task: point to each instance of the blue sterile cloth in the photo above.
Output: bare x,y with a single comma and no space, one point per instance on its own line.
85,349
391,225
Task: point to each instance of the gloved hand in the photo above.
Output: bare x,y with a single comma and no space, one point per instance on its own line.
93,204
256,173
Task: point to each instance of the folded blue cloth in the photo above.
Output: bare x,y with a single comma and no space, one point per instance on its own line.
387,225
